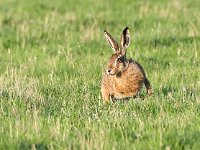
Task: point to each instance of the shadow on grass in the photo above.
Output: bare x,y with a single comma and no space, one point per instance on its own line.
140,97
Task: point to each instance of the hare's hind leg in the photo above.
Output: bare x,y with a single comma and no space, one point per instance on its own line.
148,87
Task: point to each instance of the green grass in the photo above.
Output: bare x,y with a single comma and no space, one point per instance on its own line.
52,54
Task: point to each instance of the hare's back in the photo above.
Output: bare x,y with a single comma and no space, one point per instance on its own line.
135,70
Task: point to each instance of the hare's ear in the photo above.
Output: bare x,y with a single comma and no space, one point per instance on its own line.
125,40
114,45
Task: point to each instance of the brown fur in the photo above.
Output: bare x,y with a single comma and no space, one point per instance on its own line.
123,78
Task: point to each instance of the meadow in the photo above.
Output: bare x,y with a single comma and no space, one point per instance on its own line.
52,54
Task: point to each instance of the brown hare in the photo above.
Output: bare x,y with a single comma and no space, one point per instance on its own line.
123,77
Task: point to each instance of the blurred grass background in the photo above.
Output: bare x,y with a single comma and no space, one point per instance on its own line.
52,54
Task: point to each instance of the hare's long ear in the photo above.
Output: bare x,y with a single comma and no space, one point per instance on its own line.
125,40
114,45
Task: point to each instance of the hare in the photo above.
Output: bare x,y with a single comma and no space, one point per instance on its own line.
123,77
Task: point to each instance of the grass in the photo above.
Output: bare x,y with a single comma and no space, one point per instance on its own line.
52,54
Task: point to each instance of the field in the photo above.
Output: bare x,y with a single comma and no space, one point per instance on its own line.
52,54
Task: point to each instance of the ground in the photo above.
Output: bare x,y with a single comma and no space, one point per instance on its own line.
52,54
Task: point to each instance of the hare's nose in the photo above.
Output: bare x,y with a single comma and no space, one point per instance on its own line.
109,71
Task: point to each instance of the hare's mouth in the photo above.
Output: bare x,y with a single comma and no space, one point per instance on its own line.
111,74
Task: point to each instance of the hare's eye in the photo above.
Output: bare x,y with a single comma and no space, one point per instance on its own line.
119,59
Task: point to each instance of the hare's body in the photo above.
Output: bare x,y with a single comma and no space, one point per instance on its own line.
124,78
126,84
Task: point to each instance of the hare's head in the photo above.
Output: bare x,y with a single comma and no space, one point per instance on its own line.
118,62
